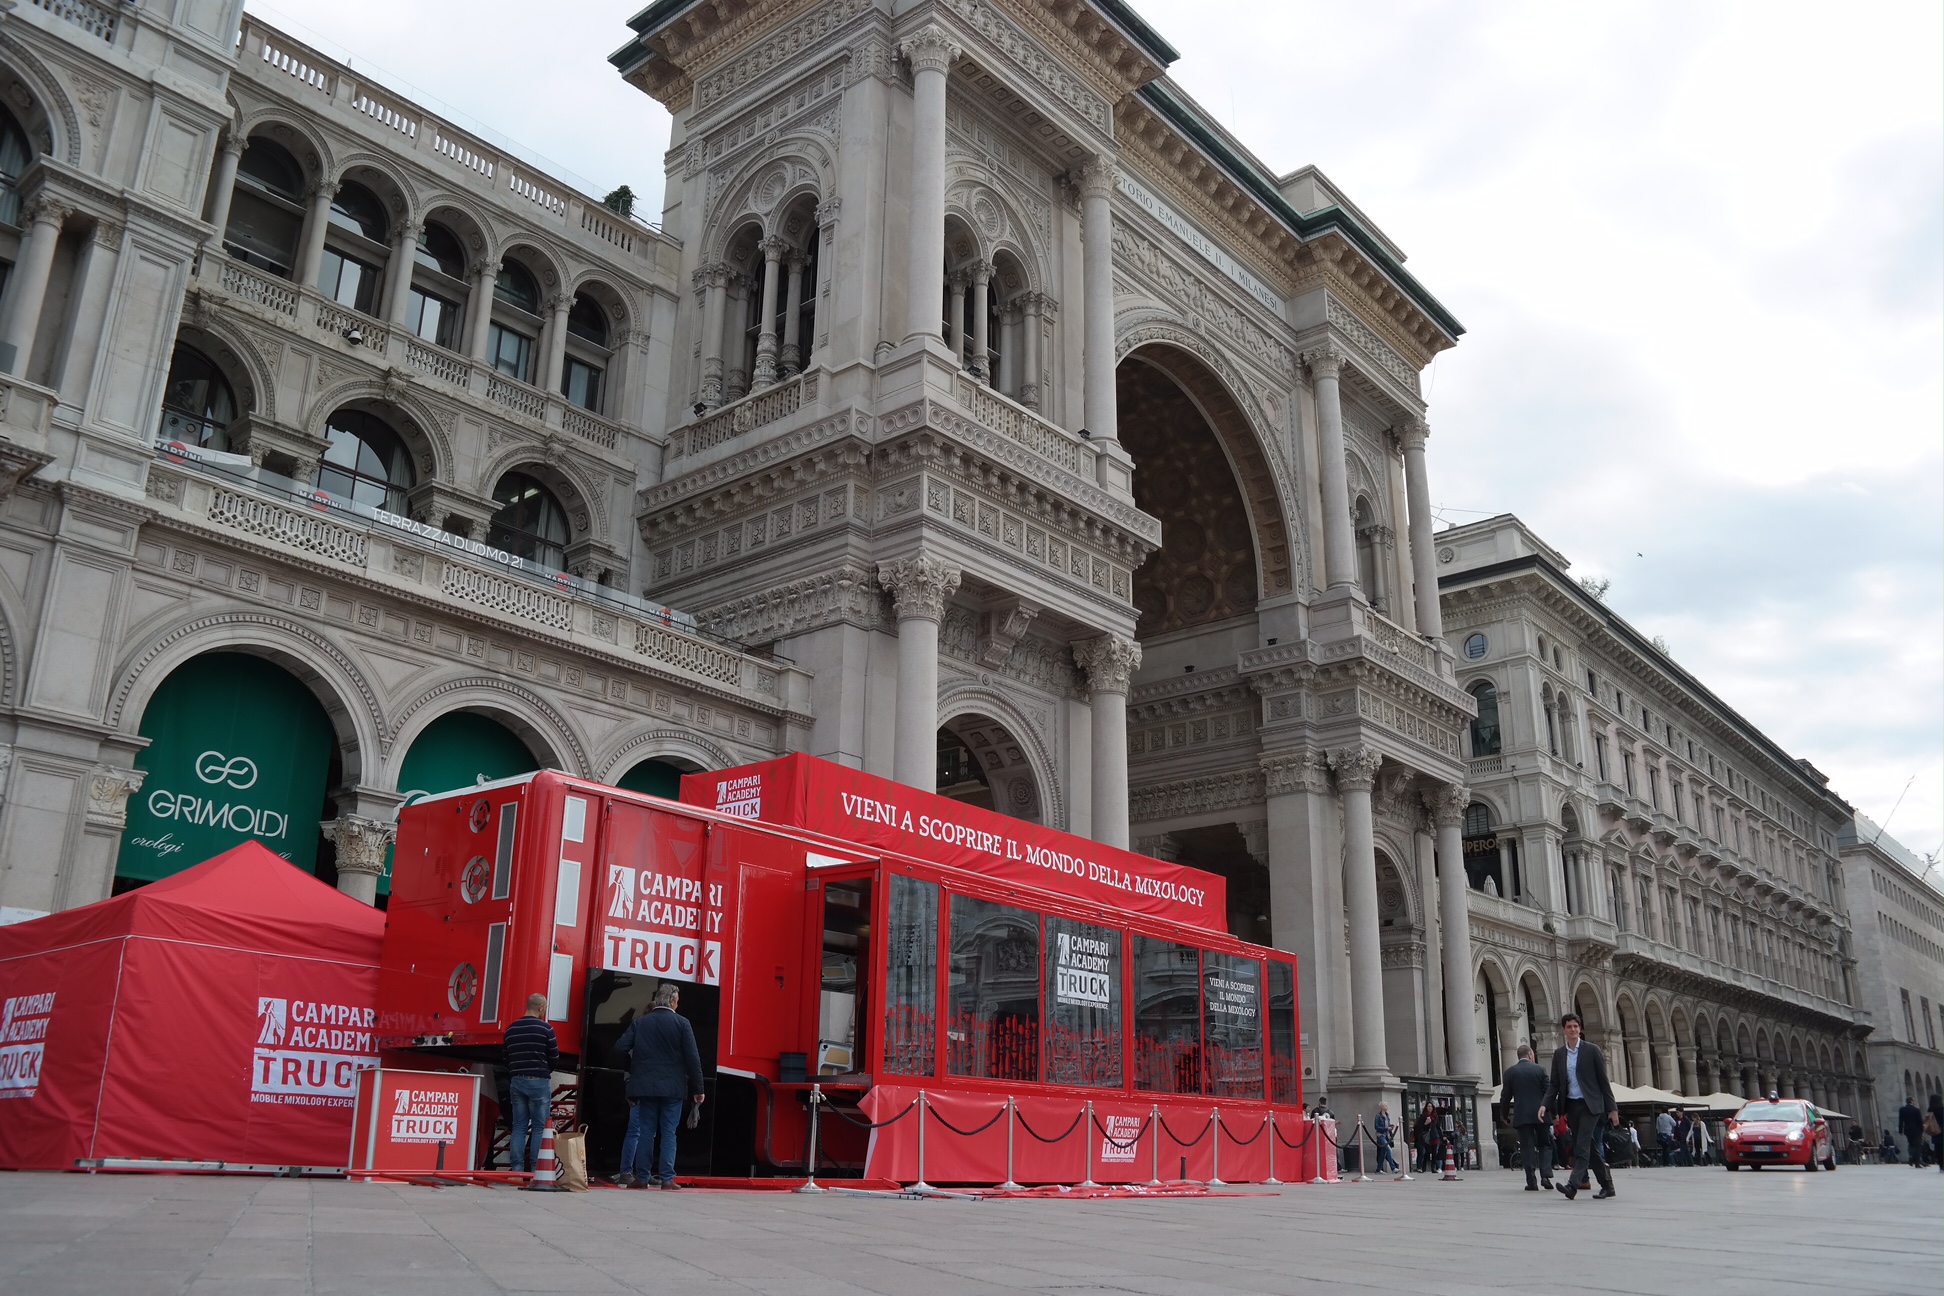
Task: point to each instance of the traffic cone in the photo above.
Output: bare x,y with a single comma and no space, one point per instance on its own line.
546,1171
1450,1165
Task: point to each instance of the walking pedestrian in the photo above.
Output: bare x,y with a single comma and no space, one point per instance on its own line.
1386,1129
664,1069
532,1052
1910,1124
1934,1128
1580,1086
1525,1085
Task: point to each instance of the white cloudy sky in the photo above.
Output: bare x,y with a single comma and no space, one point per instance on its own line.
1696,246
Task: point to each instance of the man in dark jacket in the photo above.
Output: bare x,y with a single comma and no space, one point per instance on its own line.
664,1070
1910,1124
1525,1088
1580,1086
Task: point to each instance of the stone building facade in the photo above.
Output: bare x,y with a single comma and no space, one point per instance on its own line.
1897,917
1638,852
1073,453
995,420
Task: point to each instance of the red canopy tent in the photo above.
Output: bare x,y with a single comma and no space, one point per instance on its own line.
219,1014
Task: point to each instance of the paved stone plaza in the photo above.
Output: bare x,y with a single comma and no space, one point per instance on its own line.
1864,1230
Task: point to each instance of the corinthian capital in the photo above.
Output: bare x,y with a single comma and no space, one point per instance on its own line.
1324,361
109,788
929,49
1095,177
1110,662
361,843
919,586
1355,768
1411,433
46,209
1447,803
1290,772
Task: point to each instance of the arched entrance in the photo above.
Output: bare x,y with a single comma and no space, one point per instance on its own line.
981,763
657,776
1223,849
239,750
459,749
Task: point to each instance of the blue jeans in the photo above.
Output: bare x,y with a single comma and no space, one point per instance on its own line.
657,1115
1384,1158
633,1136
532,1099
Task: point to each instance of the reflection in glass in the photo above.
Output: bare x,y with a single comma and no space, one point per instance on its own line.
994,1027
1283,1065
911,977
1232,1024
1167,1016
366,461
1083,1003
197,403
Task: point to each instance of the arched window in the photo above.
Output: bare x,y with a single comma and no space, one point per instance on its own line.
1485,729
530,522
197,403
806,310
266,217
509,342
1366,523
1478,820
438,286
587,354
354,248
16,154
367,462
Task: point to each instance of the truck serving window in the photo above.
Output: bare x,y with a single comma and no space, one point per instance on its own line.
1167,1016
994,1028
911,977
1232,1024
1083,1004
1282,1033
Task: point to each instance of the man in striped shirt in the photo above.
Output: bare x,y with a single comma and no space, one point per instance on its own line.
532,1053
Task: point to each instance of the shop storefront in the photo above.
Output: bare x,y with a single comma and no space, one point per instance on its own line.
239,750
1456,1116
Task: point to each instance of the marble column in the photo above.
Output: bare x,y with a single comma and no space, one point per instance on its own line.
27,286
1096,183
310,259
1110,662
773,249
919,587
398,288
981,274
1356,773
361,845
714,283
553,342
791,357
1029,373
956,284
1007,379
223,186
1425,845
1339,537
480,325
930,52
1417,495
735,339
1447,805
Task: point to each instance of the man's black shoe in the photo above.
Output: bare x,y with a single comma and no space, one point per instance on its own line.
1604,1193
1532,1187
640,1183
1568,1191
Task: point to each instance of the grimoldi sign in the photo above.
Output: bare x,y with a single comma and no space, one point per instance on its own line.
238,750
805,792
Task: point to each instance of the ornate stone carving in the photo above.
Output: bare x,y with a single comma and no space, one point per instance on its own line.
929,49
46,209
1355,768
1366,340
1110,662
1004,627
1411,434
1195,796
847,594
1324,361
1447,803
919,586
361,843
109,788
1095,178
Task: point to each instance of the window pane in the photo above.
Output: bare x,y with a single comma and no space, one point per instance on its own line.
433,318
1167,1016
263,233
581,384
1232,1024
1283,1063
1083,1004
994,1027
509,352
911,977
347,282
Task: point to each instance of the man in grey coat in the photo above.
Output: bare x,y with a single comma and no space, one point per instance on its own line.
1525,1088
664,1071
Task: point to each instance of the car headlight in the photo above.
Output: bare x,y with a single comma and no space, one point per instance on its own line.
1733,1135
1795,1136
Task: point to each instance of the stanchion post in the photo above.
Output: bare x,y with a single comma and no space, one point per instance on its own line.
1323,1143
921,1185
1215,1147
1088,1182
810,1184
1404,1168
1154,1148
1012,1109
1270,1121
1363,1152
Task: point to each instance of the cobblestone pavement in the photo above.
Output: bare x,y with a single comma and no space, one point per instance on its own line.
1862,1230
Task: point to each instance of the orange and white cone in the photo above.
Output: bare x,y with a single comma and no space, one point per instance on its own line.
1450,1165
546,1171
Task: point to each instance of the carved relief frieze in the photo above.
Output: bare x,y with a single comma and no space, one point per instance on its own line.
811,103
957,500
791,44
1365,339
848,595
1184,798
1154,737
1035,662
1030,58
1172,282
